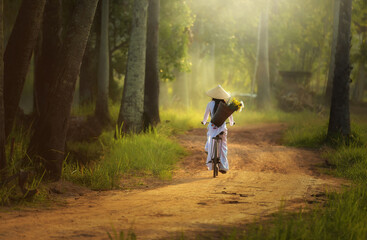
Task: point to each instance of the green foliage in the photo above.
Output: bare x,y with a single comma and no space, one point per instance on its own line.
119,33
83,152
349,161
149,154
310,130
299,37
121,236
343,217
300,33
17,161
174,25
174,32
310,133
271,116
359,30
6,192
178,121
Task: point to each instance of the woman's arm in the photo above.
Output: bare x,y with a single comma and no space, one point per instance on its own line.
231,121
206,114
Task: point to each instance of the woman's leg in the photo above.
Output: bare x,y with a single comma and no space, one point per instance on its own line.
207,143
223,156
208,146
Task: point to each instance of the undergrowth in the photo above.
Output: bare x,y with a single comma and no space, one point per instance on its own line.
344,215
150,154
10,191
153,153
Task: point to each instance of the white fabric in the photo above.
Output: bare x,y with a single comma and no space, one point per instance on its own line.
212,132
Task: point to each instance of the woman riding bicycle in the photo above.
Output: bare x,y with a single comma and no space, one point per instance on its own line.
218,94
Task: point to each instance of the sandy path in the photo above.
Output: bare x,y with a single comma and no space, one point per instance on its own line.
263,174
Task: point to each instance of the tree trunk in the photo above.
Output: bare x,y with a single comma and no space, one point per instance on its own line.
132,104
151,93
2,126
18,54
114,90
48,43
358,91
329,85
88,77
262,69
47,143
339,123
102,112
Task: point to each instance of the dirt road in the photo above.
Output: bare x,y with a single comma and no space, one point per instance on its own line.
263,174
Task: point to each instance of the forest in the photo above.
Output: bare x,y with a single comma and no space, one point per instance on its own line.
104,105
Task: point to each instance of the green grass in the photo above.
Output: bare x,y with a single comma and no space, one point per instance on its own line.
350,162
307,132
15,152
178,121
344,215
271,116
148,154
154,153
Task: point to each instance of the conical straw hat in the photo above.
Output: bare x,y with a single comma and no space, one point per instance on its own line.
218,92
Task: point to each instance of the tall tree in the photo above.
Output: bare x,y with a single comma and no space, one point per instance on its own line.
329,85
151,93
132,104
359,19
18,54
47,143
339,123
88,77
48,43
262,62
88,74
101,111
359,86
2,126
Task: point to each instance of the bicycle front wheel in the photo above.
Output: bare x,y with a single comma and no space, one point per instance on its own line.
215,159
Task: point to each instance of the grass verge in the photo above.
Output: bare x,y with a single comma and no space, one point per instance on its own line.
154,153
148,154
344,215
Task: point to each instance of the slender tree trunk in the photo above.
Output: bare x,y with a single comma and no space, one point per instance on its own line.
18,54
47,144
253,81
2,125
48,43
114,90
329,85
102,112
132,104
88,77
339,123
358,91
262,70
151,94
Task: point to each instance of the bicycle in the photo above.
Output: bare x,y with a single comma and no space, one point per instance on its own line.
216,151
